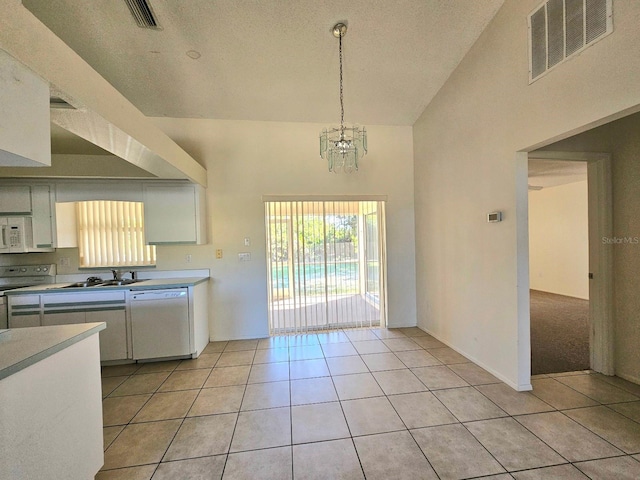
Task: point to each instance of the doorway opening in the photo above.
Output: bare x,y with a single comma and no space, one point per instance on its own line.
326,265
597,292
558,266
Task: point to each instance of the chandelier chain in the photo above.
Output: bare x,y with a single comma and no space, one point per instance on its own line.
342,146
341,96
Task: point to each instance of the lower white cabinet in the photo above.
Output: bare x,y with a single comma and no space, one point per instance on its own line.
62,318
49,309
24,311
141,324
113,339
24,320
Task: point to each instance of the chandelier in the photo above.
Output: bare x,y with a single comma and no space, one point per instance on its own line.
342,146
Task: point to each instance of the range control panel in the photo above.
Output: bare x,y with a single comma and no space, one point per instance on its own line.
28,270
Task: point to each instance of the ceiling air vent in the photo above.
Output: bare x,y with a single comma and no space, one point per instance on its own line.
142,13
559,29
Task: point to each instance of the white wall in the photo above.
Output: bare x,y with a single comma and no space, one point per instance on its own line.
246,160
472,277
559,240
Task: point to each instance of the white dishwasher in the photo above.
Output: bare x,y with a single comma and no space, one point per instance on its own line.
160,323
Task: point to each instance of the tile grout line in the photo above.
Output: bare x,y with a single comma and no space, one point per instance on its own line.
386,396
235,425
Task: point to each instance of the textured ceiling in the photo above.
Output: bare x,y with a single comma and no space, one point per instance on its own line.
552,173
274,60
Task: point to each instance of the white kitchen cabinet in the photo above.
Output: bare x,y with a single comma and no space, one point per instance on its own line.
174,214
66,225
66,317
35,203
82,191
93,306
15,200
113,339
24,320
43,239
24,311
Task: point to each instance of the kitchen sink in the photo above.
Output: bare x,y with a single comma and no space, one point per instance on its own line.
106,283
117,282
82,285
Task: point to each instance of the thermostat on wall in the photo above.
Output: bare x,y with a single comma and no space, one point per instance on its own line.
494,217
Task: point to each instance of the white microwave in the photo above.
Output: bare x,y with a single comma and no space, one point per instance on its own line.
16,234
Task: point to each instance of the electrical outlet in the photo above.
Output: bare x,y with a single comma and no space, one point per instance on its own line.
219,253
64,261
188,258
247,242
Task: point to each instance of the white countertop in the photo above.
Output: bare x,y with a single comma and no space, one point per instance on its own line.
155,283
23,347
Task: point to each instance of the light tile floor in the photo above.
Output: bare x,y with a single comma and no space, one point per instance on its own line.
368,403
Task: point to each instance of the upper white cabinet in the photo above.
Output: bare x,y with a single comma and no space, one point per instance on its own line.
174,211
42,220
15,200
83,191
34,202
66,225
174,214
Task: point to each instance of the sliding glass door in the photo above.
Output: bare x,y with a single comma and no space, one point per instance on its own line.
325,264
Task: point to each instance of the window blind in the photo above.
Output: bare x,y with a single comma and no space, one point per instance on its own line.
325,265
111,234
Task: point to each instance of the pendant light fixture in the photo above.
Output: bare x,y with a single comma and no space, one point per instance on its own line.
342,146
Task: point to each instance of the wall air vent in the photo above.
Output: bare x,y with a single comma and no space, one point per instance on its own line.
143,13
559,29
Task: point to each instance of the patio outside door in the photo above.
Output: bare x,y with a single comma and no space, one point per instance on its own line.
325,265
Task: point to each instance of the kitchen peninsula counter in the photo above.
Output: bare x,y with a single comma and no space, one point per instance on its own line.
23,347
51,415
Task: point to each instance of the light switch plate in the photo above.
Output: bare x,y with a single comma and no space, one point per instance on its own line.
244,257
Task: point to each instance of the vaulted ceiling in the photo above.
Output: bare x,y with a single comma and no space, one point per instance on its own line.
273,60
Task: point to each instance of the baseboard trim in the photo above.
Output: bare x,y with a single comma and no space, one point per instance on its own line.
631,378
518,387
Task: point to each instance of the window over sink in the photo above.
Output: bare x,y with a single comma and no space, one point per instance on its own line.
111,234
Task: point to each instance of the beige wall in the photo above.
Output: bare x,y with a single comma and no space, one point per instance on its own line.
246,160
472,277
559,240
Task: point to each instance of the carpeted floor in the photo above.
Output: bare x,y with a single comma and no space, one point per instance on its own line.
559,333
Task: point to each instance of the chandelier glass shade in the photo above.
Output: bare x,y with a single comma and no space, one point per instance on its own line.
342,146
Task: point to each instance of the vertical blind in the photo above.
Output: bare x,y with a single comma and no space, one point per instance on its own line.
324,268
111,234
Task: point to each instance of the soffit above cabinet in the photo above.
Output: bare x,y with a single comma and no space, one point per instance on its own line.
24,116
100,114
